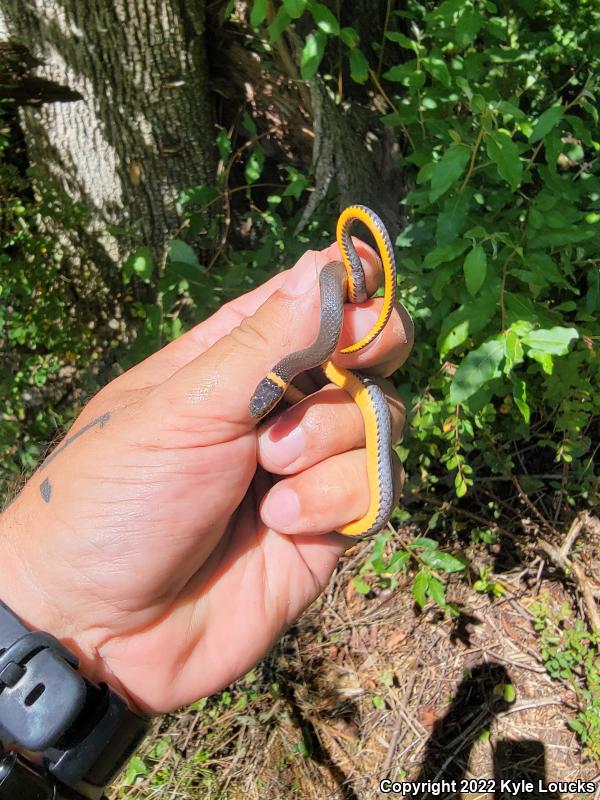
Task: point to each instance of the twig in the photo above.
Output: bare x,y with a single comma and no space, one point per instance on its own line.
386,97
388,11
387,764
591,606
548,525
472,161
543,701
574,531
573,569
517,664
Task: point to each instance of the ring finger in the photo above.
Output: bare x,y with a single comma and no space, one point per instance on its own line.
324,497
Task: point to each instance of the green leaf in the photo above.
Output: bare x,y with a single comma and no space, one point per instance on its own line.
379,545
141,263
182,263
440,560
478,104
452,219
509,694
135,768
324,19
448,170
505,154
280,23
295,8
181,252
435,590
312,53
513,349
401,39
445,253
419,587
349,37
398,561
546,123
460,485
198,196
359,66
519,392
362,587
476,369
249,124
468,27
379,702
409,74
259,12
475,269
545,359
554,341
223,145
297,183
436,67
254,164
423,541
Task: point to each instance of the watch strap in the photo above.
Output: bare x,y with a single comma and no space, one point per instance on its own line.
84,732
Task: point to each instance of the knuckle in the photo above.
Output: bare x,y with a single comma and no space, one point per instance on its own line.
318,423
251,335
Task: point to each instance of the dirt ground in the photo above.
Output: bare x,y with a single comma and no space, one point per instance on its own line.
368,687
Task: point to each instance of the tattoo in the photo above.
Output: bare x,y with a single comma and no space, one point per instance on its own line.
46,490
45,485
98,422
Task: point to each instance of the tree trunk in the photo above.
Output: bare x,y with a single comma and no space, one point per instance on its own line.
143,128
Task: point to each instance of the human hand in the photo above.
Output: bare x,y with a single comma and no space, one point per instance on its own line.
151,544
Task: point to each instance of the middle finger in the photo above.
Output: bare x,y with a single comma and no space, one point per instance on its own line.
322,425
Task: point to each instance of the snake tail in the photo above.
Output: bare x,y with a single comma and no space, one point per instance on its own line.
356,284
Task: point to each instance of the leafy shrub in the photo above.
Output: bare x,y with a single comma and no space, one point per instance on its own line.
499,261
571,653
46,339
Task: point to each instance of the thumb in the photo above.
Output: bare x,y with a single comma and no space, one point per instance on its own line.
219,383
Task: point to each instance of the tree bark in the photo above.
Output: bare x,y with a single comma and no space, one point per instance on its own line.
143,128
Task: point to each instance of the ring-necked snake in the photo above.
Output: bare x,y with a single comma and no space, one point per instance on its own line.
338,281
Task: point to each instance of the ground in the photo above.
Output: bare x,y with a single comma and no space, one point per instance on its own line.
366,687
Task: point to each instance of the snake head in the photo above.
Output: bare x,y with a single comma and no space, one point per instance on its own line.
266,396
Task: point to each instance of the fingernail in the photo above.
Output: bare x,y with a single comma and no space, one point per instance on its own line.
301,278
281,508
281,446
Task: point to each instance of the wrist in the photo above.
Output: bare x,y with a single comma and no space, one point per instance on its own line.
73,733
24,588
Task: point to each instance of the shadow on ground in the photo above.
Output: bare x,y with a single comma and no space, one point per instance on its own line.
477,702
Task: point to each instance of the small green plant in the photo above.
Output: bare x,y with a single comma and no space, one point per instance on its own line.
572,653
487,585
483,536
506,691
424,554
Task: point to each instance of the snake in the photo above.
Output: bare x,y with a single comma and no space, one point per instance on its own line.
341,281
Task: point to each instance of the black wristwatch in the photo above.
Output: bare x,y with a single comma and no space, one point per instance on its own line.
78,734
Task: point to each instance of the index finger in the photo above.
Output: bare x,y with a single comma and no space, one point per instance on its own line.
160,366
